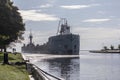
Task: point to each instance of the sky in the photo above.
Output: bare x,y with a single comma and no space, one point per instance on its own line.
96,21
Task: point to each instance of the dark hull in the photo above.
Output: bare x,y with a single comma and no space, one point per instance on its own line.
59,45
64,44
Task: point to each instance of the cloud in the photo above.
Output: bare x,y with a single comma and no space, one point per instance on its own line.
102,12
77,6
96,20
52,1
46,6
36,15
97,33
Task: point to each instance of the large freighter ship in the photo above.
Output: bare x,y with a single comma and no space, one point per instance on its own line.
64,43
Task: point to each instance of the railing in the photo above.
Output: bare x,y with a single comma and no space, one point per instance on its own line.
39,74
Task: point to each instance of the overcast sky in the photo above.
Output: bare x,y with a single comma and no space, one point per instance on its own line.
96,21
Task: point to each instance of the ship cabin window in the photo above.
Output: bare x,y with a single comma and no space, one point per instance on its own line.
75,51
66,46
24,45
68,28
59,45
75,46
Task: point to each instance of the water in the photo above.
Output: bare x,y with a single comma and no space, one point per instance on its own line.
90,66
96,66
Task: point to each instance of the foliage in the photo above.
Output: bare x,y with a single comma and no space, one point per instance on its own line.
11,23
112,47
119,46
105,48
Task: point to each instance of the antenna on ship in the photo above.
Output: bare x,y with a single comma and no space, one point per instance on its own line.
30,37
58,27
63,27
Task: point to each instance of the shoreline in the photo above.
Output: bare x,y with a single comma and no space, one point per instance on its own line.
105,51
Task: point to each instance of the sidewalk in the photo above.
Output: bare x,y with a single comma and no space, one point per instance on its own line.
31,78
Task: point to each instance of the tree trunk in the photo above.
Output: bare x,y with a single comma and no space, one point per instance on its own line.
1,49
5,56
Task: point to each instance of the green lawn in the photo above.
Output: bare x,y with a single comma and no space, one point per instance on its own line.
12,57
13,72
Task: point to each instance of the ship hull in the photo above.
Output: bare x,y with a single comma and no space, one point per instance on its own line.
64,44
59,45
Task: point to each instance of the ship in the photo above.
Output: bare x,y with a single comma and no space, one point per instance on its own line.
63,43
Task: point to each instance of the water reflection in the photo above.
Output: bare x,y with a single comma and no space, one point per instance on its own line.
99,66
90,66
65,68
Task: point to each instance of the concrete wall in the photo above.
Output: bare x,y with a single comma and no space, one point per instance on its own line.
34,72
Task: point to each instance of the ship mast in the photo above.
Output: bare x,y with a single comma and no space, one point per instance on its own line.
30,37
63,27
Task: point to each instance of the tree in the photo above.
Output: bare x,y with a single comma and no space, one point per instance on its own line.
119,46
105,48
112,47
11,25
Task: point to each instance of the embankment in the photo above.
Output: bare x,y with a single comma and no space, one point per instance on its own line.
14,70
37,73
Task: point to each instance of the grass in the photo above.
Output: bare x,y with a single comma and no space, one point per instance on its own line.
12,57
13,72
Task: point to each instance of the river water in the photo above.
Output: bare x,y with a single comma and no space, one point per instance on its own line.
86,66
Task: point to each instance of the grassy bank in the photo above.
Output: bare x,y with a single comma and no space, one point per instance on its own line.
13,72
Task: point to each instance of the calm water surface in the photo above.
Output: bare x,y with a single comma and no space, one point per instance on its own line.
89,66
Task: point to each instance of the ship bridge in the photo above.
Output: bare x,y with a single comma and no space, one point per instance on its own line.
63,27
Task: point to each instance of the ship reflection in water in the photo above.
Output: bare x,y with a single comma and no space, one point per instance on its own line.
63,67
67,68
90,66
